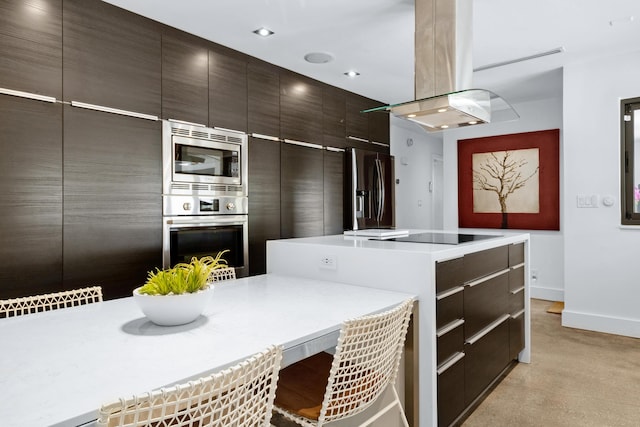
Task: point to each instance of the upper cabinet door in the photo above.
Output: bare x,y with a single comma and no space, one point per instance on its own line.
227,92
334,117
185,79
379,127
357,122
264,100
31,46
300,108
111,57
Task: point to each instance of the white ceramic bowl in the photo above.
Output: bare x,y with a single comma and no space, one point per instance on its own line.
173,310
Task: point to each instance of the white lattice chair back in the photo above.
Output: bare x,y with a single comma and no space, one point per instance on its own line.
365,364
45,302
240,396
219,274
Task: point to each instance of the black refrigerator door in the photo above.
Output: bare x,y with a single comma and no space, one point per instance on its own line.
369,198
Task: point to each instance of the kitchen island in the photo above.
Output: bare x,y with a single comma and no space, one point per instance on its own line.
472,323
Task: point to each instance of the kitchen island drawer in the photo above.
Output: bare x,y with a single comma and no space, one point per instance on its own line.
516,277
516,334
516,254
484,302
449,306
450,340
449,274
451,390
484,263
485,358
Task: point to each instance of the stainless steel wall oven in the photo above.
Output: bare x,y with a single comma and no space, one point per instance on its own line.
205,205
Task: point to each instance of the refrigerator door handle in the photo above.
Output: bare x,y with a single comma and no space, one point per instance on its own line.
379,200
355,200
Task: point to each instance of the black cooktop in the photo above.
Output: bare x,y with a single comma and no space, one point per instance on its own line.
441,238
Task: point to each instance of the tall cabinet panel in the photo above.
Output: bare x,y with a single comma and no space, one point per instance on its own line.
227,92
112,200
111,57
185,79
334,117
31,202
263,100
264,200
300,108
333,192
302,191
31,46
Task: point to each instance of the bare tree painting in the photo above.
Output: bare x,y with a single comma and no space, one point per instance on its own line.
506,182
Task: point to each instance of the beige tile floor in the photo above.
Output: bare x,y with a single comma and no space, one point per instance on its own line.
576,378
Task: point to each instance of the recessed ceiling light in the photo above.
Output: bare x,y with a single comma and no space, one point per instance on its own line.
264,32
318,57
473,122
444,127
352,73
442,110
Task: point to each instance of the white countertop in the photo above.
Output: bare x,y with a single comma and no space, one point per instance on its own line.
58,367
438,251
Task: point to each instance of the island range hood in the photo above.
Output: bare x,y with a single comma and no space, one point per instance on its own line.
443,72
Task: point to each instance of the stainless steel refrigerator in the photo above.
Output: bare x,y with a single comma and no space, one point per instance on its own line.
369,190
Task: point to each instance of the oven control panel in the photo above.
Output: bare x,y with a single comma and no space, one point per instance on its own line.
204,205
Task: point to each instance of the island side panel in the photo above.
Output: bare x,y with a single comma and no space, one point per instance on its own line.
380,268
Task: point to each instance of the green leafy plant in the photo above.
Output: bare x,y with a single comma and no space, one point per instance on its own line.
183,278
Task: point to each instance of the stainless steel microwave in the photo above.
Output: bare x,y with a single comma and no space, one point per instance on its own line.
202,160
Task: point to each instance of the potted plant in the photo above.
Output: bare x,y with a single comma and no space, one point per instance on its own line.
178,295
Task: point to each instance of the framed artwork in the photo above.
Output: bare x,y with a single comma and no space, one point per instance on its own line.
510,181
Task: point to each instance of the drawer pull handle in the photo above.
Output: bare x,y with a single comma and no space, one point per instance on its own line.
485,278
515,291
104,109
488,329
515,267
303,144
267,137
518,314
449,327
450,362
28,95
448,293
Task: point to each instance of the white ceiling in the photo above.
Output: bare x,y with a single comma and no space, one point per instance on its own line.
375,38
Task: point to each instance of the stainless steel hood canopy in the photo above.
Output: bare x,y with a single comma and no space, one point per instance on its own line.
443,71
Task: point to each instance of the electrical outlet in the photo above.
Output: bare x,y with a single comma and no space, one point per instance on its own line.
534,275
328,263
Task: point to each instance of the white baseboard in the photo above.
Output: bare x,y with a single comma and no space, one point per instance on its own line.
545,293
600,323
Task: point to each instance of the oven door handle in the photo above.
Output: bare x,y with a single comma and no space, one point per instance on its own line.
209,221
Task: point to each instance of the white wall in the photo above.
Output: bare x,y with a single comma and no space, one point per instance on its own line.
602,274
547,247
413,169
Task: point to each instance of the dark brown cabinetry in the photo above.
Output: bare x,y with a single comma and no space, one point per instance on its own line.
31,202
112,204
479,322
300,108
111,57
185,78
264,200
31,46
302,202
334,120
227,91
333,188
263,93
112,163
